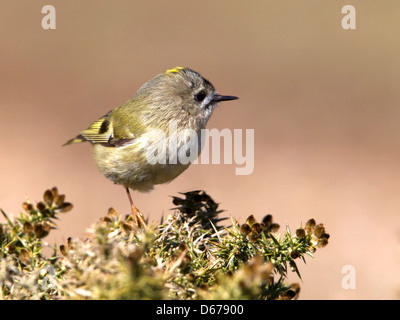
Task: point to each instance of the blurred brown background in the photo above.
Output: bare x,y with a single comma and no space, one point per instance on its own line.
324,103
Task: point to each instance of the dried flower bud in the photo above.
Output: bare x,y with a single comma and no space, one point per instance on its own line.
27,227
251,220
322,242
267,220
310,225
106,219
294,254
64,250
300,233
128,226
70,243
41,206
325,236
59,200
274,227
41,229
253,236
38,230
48,197
257,227
65,207
319,230
24,256
292,293
112,213
54,191
27,206
245,229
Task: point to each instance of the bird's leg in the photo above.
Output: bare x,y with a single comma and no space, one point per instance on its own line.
135,212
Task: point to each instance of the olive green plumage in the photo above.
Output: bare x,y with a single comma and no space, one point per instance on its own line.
121,139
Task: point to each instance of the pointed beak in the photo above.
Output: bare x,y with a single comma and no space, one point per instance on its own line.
219,98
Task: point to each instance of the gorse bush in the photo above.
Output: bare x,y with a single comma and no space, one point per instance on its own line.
190,255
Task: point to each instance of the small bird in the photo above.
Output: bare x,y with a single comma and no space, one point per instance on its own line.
127,141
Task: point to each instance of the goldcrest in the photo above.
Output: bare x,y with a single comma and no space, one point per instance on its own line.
121,139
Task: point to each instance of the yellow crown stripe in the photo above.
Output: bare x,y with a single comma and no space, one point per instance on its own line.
175,70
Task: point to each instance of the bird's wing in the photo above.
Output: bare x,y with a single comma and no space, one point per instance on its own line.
102,132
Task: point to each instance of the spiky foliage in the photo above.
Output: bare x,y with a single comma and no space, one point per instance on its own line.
190,255
24,270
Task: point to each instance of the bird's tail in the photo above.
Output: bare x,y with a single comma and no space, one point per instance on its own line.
77,139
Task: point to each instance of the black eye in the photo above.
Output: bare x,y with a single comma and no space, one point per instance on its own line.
200,96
